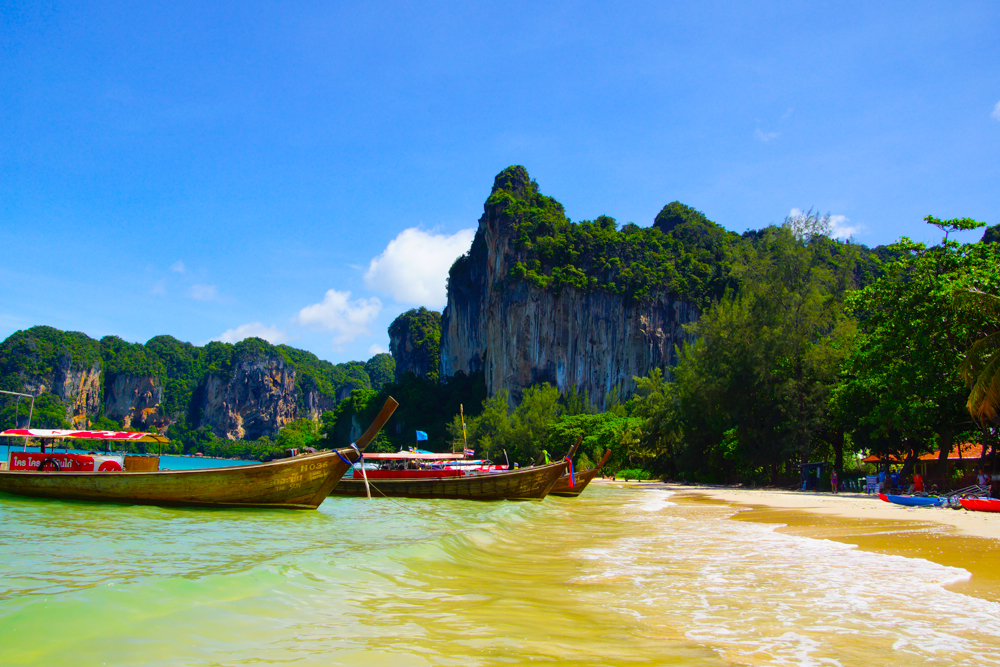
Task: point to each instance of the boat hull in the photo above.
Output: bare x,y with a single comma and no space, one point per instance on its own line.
562,486
300,482
912,501
525,484
981,504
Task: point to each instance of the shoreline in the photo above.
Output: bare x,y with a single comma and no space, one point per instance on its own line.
984,525
957,538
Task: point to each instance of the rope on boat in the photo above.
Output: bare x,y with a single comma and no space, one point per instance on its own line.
394,502
361,459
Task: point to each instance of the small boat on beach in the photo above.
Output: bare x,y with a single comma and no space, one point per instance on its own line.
531,483
298,482
981,504
571,489
914,501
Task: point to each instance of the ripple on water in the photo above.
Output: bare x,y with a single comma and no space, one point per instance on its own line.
618,576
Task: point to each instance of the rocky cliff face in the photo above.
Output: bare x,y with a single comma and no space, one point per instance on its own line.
520,334
257,399
135,401
79,389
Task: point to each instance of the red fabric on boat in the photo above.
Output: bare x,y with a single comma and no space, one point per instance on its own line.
81,435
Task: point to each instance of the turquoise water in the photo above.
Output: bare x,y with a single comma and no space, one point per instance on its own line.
617,577
167,462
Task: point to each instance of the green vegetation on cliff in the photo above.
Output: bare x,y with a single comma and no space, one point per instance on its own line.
36,359
683,254
415,341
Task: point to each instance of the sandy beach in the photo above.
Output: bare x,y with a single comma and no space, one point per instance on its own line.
848,505
955,538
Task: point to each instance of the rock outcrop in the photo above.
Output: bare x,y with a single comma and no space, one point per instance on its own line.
135,401
246,390
256,399
415,342
520,334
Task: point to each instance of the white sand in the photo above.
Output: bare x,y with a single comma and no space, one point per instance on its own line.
851,505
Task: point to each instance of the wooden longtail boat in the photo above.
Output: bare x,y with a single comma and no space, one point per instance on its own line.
299,482
531,483
562,486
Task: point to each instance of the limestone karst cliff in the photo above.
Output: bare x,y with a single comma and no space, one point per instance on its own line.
522,329
257,397
415,340
135,401
247,390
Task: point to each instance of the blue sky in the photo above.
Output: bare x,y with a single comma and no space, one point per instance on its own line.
307,171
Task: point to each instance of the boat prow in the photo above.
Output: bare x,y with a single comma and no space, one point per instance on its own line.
565,489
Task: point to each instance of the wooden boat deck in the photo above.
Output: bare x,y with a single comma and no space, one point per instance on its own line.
301,482
531,483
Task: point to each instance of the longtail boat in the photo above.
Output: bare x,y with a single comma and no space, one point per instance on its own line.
531,483
298,482
563,487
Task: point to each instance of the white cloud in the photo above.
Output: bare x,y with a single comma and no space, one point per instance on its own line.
202,292
413,269
253,330
178,267
337,313
839,229
376,349
765,136
996,111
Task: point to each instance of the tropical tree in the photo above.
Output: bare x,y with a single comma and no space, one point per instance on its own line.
902,387
981,366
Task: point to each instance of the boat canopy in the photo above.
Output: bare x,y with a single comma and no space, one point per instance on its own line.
83,435
401,456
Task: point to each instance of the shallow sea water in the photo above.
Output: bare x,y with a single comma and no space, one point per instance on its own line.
620,576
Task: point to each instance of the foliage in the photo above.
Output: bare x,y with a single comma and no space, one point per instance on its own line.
40,353
381,369
49,412
121,358
42,356
415,341
751,392
424,405
981,367
902,386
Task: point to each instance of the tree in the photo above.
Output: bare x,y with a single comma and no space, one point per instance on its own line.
656,404
752,390
981,366
381,370
902,383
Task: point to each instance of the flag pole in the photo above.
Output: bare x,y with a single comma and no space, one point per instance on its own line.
465,436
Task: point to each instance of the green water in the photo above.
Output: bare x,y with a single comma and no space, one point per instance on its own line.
616,577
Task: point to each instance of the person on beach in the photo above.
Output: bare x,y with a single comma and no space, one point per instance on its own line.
833,481
983,478
918,483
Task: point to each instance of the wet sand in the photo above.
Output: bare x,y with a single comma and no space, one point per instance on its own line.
958,538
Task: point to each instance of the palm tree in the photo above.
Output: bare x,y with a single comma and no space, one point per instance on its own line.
981,367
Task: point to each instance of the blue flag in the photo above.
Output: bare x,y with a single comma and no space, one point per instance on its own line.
421,436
